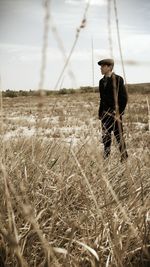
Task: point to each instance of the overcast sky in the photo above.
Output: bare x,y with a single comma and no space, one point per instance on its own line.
21,39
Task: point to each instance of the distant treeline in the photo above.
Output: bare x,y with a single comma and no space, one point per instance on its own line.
143,88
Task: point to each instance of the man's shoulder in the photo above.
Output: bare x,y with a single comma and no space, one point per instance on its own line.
118,77
101,79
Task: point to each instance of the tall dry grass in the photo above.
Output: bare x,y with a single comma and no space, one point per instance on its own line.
61,204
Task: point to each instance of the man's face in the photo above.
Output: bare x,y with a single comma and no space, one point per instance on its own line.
105,69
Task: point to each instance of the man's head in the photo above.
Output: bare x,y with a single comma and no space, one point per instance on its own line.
106,65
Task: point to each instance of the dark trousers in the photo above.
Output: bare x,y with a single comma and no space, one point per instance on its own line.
109,125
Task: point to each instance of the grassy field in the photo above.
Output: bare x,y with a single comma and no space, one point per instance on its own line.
61,203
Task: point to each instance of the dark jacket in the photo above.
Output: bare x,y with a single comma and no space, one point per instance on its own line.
112,92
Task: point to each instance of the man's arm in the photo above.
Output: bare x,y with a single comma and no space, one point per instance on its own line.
100,111
122,96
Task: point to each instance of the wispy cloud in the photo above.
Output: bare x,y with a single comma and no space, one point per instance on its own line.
26,53
92,2
97,2
73,2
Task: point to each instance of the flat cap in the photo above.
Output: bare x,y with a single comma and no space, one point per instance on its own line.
107,61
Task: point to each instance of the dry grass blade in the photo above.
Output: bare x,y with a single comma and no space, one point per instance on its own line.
60,250
87,182
108,259
91,250
45,43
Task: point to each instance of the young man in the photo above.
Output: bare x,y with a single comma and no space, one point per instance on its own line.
113,100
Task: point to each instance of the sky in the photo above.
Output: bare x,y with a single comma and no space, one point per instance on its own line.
21,41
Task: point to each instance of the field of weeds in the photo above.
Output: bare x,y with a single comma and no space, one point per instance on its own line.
61,203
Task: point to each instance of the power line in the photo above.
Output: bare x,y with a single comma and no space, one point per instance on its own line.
92,63
62,49
82,25
119,39
109,28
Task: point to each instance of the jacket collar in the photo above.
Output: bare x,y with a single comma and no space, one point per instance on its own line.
108,76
